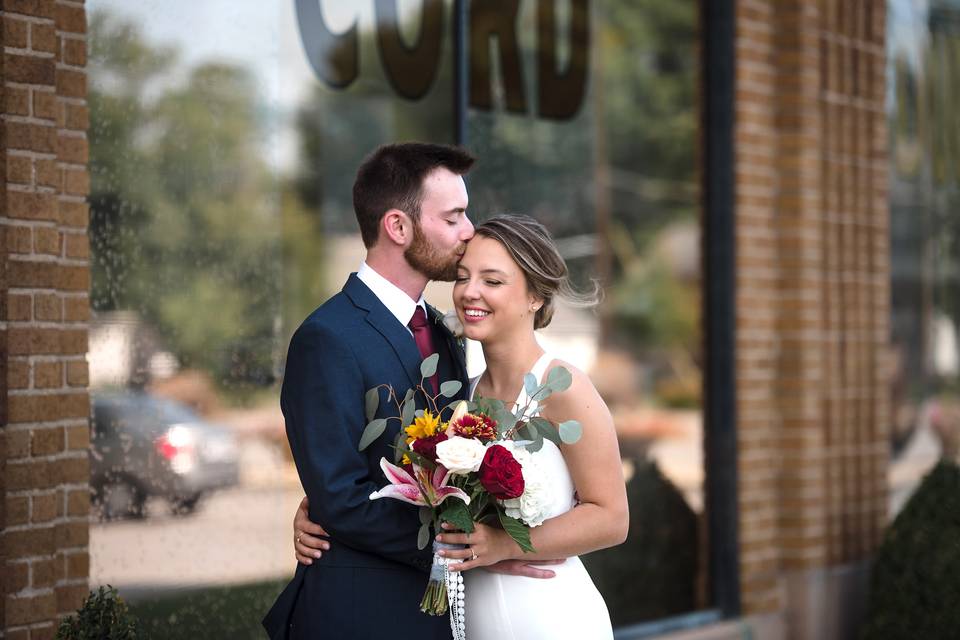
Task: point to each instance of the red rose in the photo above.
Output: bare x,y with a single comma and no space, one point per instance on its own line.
501,474
427,447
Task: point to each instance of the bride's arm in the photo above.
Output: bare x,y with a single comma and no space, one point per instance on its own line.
601,518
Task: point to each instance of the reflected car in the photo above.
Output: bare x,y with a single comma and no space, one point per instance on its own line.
143,446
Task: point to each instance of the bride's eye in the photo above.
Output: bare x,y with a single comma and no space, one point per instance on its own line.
494,283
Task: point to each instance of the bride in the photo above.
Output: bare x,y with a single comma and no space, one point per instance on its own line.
505,289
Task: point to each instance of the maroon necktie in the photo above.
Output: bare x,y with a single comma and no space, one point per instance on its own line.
421,335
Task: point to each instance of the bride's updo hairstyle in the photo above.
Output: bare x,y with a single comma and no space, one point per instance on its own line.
529,244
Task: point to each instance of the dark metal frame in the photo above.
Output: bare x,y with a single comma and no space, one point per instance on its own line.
719,307
719,313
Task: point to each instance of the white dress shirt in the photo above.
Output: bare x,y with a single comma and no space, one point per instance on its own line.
392,296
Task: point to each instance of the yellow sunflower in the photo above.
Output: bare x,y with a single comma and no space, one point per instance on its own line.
424,426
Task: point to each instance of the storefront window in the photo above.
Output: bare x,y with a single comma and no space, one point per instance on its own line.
222,158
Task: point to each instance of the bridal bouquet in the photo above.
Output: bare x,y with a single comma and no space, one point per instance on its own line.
475,466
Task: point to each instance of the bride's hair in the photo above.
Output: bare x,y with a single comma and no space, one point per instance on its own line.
529,244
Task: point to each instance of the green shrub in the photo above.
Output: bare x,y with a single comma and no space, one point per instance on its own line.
915,586
103,616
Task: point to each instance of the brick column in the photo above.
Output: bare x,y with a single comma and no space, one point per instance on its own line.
813,305
44,471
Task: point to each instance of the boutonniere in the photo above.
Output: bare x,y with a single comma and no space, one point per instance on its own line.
451,323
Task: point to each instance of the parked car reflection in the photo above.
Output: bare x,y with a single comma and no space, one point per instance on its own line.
144,446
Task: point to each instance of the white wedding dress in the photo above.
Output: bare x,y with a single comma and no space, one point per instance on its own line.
565,607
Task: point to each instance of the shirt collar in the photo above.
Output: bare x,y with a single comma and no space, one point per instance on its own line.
392,296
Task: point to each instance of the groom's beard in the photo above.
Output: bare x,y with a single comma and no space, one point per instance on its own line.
425,258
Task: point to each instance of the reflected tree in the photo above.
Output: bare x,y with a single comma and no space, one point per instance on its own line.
185,215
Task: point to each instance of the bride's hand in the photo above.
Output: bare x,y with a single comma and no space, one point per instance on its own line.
485,546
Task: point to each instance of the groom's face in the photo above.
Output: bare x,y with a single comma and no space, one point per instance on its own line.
441,233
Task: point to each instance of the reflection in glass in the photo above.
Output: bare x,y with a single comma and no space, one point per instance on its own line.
615,183
222,160
923,69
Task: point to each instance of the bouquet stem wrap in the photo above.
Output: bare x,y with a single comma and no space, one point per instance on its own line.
445,591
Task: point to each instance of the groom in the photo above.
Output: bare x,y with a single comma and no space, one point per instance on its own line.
410,201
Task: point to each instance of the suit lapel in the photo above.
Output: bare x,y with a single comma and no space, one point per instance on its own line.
387,325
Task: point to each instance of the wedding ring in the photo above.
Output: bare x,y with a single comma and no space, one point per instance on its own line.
473,554
300,535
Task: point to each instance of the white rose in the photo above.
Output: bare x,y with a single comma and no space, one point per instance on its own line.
461,455
531,507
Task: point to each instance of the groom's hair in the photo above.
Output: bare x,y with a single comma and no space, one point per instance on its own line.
392,178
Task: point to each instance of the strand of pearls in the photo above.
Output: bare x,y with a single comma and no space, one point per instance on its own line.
456,599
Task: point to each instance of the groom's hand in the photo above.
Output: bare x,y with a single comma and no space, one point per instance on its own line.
308,545
521,568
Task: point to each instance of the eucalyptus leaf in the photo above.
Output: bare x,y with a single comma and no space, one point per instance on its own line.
423,536
516,530
527,432
429,366
407,413
536,444
409,395
559,379
450,388
456,513
399,447
418,413
372,431
542,393
371,402
570,431
546,430
530,384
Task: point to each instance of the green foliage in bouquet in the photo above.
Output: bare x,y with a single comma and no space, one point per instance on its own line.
103,616
914,588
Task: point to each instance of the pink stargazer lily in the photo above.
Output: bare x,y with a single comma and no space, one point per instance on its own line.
404,486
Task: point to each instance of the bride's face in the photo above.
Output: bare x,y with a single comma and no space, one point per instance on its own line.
490,292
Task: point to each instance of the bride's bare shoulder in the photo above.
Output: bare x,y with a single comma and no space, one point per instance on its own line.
581,395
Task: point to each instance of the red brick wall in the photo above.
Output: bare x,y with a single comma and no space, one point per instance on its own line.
44,559
812,300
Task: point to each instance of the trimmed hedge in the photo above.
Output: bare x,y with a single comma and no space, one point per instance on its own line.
915,586
103,616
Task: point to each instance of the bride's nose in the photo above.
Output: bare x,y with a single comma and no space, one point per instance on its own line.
470,291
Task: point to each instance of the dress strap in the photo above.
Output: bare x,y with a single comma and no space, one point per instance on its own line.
539,370
540,366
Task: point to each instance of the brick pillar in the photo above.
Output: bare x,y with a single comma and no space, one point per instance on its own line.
44,302
813,306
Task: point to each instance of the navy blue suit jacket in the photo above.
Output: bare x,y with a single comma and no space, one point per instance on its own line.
369,584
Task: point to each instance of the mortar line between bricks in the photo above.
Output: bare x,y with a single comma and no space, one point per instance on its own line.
74,454
31,592
35,290
26,493
33,53
27,426
40,393
26,18
20,188
27,153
